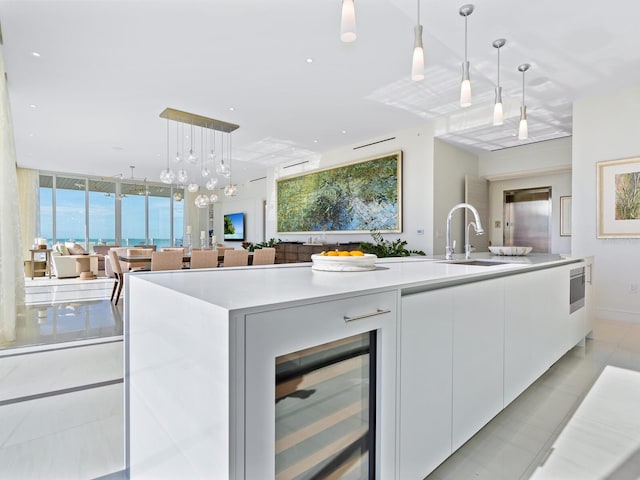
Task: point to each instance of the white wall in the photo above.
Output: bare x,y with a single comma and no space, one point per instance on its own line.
605,128
539,158
249,201
451,165
417,186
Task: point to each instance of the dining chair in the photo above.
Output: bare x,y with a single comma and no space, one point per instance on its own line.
264,256
173,249
117,273
142,252
204,258
171,260
235,258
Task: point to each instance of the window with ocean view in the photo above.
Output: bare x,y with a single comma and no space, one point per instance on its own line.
86,211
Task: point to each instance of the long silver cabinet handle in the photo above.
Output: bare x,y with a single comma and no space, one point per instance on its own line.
366,315
590,280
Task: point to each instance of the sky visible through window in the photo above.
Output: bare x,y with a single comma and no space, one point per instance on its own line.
70,217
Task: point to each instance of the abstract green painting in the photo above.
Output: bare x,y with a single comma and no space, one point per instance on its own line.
355,197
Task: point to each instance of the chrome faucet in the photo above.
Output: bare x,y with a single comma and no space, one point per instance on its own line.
477,226
467,245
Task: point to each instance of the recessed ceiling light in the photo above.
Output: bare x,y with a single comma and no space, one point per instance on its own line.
344,131
309,60
231,109
31,134
315,141
33,105
35,54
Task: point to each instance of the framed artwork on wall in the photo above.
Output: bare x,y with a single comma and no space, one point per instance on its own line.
356,197
619,198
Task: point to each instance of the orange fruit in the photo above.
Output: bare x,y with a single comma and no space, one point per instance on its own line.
332,254
343,254
356,253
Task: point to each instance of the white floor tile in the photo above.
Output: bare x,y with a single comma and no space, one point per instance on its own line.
73,436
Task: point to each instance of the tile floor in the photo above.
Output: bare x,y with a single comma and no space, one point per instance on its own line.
62,414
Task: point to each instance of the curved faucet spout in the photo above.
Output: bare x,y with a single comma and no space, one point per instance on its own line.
478,226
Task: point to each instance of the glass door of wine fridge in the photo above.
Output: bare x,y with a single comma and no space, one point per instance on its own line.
325,411
319,390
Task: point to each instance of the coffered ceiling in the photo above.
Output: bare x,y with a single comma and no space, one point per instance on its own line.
90,102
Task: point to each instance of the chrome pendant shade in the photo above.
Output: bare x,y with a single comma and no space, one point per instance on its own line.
465,87
498,112
417,65
523,128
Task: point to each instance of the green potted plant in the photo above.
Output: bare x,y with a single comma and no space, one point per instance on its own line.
387,248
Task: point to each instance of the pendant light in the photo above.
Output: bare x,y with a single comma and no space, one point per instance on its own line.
221,168
230,190
193,157
523,129
465,87
204,171
417,66
498,112
167,175
348,22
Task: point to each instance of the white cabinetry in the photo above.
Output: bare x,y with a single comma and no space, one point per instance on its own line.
478,346
536,326
425,381
271,334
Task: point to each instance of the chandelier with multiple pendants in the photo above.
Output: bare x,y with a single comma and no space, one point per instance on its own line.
198,169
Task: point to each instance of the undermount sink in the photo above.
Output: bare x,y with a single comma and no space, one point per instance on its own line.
479,263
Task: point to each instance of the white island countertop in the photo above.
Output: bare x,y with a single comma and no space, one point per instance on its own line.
257,287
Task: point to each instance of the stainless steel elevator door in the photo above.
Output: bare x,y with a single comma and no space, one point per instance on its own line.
527,218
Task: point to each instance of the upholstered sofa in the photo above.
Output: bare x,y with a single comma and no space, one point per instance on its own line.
63,260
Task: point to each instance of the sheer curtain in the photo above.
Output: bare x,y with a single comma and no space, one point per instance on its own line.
11,272
28,188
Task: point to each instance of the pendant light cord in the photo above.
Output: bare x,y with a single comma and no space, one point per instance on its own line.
498,67
465,37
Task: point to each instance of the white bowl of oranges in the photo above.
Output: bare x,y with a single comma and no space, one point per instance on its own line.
343,261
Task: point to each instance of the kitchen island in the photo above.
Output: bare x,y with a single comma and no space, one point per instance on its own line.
453,343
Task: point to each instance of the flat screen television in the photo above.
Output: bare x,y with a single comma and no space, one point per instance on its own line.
234,226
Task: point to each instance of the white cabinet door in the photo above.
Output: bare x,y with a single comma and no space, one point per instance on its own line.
521,329
536,326
276,333
478,357
425,381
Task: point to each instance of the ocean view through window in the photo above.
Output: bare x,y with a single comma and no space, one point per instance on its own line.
86,211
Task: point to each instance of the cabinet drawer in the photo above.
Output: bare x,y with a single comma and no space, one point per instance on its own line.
317,323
